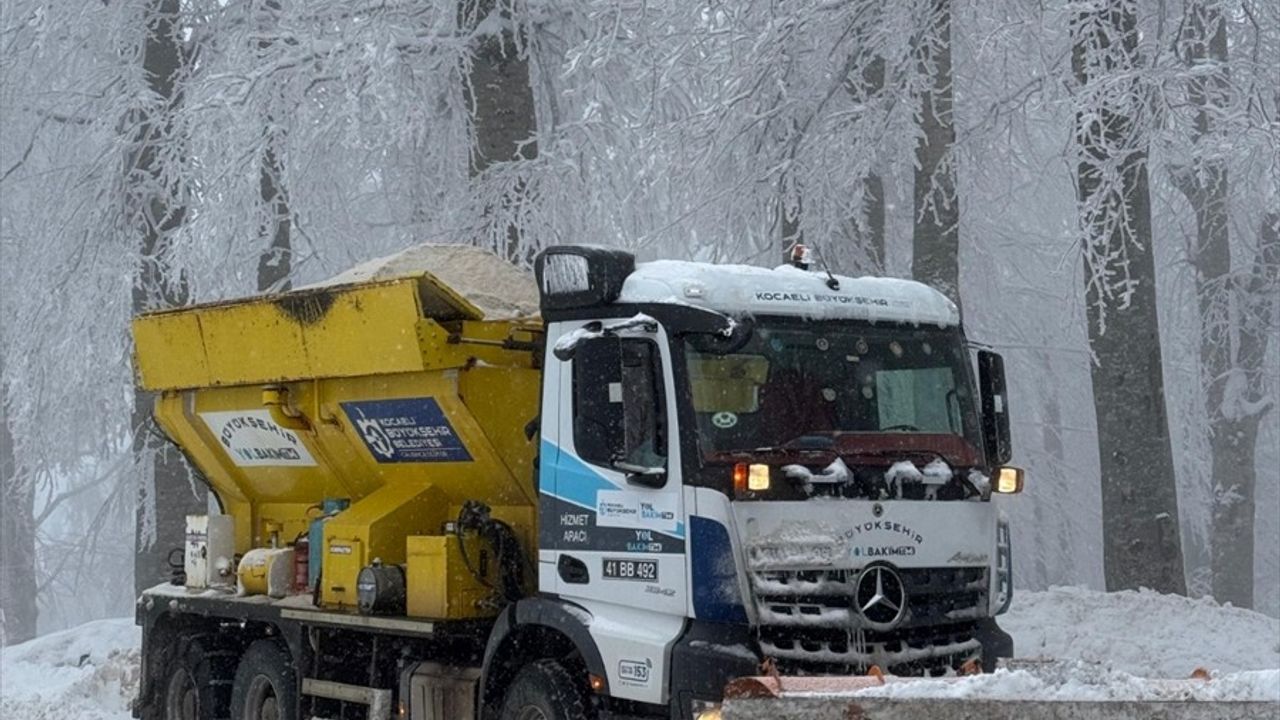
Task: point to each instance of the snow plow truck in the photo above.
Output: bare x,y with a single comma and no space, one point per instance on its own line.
442,488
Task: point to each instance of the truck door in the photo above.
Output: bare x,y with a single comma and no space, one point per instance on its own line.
612,516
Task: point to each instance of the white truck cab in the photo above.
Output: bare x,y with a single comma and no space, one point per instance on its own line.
741,465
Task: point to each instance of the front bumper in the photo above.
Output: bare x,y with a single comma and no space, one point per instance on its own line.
805,565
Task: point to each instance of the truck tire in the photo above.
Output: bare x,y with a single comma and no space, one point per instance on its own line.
544,690
266,686
198,683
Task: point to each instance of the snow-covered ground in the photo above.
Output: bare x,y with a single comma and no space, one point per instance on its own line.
1140,646
1110,644
1142,633
85,673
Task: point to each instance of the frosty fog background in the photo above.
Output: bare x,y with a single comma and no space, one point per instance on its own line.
1096,185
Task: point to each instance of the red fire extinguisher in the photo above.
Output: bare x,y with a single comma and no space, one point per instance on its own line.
301,563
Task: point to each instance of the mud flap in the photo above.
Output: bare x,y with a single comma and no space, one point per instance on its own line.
996,643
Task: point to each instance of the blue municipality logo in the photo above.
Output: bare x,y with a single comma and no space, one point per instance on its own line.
406,430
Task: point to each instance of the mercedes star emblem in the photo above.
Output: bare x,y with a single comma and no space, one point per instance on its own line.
880,598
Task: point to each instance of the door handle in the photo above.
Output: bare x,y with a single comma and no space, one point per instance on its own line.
572,570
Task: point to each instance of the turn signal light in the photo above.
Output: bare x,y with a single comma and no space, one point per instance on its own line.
1009,480
597,683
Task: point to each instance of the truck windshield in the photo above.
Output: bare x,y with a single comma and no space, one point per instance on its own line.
850,388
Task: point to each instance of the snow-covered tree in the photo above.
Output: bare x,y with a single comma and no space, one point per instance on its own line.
935,238
154,194
1140,521
1219,110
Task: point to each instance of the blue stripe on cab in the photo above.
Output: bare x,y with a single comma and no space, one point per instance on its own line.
716,597
563,475
575,481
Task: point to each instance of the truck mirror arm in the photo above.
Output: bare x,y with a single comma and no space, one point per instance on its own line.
567,345
642,475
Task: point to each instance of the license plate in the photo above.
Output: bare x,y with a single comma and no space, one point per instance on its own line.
644,570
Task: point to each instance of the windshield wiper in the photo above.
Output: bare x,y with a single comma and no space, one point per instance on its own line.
802,443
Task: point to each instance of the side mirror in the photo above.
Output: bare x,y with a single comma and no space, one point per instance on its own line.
995,408
598,429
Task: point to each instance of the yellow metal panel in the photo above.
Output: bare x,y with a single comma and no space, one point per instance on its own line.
170,351
437,352
488,409
365,330
344,556
484,477
251,342
315,333
300,483
503,402
438,582
375,527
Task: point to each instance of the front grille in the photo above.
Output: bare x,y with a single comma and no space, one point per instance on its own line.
808,623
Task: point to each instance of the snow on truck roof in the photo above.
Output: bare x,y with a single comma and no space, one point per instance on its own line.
503,291
787,290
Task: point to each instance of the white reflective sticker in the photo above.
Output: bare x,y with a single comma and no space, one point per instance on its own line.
252,439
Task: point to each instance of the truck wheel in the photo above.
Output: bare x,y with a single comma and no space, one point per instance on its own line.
544,690
266,687
199,682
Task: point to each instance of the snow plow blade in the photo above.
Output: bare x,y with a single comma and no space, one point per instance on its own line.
828,698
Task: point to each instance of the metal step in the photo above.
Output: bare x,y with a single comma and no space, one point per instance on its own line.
378,701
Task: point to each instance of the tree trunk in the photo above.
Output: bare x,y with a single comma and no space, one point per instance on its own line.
500,97
789,223
935,236
275,263
1243,403
155,211
1225,329
866,232
18,609
1235,477
1141,543
872,236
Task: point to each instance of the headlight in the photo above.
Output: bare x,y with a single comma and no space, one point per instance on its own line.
753,477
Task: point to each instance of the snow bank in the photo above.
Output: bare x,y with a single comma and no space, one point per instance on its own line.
1142,633
87,673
